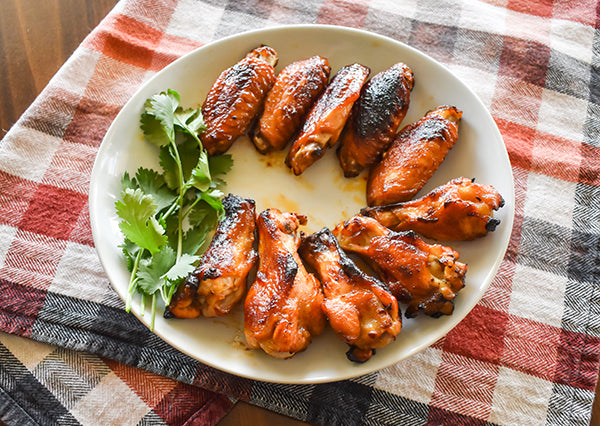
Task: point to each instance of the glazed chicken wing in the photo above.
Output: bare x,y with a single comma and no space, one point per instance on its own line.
282,310
360,309
413,157
326,118
219,282
375,118
425,276
459,210
236,98
296,88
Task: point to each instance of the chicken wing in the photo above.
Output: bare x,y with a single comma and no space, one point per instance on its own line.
375,118
413,157
219,282
459,210
236,98
282,310
296,88
360,308
425,276
327,117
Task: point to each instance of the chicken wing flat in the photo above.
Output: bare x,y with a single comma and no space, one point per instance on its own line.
282,310
413,157
327,118
360,308
236,98
296,89
424,276
375,118
219,282
459,210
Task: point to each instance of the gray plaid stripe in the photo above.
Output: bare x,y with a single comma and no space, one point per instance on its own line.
291,400
569,406
21,388
544,246
70,375
568,75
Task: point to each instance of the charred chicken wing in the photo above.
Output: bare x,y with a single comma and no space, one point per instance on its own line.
219,282
459,210
236,98
296,88
424,276
327,117
360,309
375,118
413,157
282,310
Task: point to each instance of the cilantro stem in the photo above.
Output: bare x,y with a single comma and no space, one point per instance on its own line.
133,280
171,209
175,153
191,207
153,311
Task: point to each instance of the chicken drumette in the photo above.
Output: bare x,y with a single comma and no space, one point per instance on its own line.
219,282
413,157
326,118
375,118
236,98
296,88
282,310
459,210
424,276
360,308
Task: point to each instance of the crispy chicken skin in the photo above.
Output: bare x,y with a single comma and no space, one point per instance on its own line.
360,308
424,276
375,118
296,89
327,118
413,157
219,282
236,98
458,210
282,310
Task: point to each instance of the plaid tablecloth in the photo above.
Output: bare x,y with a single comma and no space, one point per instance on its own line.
527,354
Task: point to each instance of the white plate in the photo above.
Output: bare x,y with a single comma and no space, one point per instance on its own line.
322,193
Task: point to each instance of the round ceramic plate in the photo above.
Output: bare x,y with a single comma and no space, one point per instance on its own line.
321,193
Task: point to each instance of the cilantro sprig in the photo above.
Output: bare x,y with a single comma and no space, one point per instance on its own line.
167,215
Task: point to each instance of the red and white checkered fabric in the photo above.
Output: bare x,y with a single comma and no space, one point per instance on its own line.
527,354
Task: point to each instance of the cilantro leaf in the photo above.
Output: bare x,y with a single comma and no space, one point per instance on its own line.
153,183
162,269
213,199
139,224
200,176
190,156
220,164
182,268
152,272
158,122
190,120
201,213
195,238
128,182
130,251
169,166
203,219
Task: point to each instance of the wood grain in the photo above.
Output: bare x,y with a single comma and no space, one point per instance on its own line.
36,38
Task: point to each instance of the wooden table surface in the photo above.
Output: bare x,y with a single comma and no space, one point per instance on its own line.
36,38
